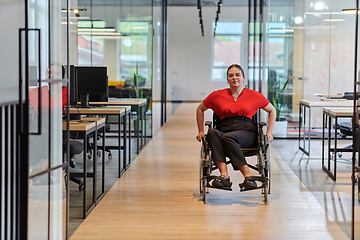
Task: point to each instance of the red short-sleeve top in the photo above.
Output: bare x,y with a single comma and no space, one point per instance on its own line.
224,105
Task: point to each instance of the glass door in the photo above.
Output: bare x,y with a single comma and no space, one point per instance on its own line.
46,60
355,218
285,63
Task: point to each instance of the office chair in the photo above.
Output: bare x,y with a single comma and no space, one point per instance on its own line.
91,145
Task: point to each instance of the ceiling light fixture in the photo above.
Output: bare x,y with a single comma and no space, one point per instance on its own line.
106,29
319,6
217,15
200,17
334,20
76,11
348,11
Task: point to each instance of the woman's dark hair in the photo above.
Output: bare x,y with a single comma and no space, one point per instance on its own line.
236,66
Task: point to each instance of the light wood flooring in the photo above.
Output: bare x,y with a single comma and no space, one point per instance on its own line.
158,198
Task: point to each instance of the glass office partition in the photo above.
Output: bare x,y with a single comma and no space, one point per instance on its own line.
48,61
285,62
355,217
119,35
308,52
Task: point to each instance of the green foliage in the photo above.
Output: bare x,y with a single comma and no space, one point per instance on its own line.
137,78
276,95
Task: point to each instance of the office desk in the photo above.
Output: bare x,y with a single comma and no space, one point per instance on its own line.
328,115
302,119
120,112
88,126
140,103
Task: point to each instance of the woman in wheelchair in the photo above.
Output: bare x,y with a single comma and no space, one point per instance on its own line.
235,106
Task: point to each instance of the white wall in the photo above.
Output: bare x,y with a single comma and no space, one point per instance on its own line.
190,55
9,58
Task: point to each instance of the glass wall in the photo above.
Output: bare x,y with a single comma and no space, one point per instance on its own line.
308,54
119,35
48,60
311,52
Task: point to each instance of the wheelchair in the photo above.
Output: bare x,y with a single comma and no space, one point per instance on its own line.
262,151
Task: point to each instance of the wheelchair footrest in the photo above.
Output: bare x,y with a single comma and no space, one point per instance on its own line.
211,179
256,179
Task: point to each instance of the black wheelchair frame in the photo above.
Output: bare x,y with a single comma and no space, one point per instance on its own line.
262,165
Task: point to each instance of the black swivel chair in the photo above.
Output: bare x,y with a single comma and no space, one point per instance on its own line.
346,128
91,145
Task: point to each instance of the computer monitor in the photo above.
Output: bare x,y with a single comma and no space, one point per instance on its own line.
92,84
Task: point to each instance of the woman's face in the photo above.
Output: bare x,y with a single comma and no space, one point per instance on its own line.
235,77
55,72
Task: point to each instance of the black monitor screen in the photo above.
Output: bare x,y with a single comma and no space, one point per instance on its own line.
92,81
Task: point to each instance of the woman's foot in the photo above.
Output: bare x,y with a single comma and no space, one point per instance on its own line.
248,184
222,182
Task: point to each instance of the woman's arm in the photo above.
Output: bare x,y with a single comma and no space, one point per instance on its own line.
200,120
271,120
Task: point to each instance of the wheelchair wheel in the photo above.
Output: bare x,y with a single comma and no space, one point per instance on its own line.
204,170
202,177
263,173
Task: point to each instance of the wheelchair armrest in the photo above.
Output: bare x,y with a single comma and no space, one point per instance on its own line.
208,123
261,124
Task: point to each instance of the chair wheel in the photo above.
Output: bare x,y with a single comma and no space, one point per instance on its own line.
81,186
89,156
72,163
110,155
99,153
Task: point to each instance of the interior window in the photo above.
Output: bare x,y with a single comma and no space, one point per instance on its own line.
226,48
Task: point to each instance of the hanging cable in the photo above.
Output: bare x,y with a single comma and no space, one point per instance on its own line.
217,15
200,17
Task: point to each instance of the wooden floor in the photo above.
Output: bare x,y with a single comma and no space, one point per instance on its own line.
158,198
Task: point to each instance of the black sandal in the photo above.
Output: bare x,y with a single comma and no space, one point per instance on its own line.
248,184
219,182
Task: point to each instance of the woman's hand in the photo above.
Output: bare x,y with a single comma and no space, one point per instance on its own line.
269,136
200,120
199,136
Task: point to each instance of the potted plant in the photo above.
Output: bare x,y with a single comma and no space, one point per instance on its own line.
140,94
137,79
276,96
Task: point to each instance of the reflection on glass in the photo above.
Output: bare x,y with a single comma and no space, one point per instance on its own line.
38,207
57,203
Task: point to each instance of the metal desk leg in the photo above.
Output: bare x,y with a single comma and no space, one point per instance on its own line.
142,125
124,142
300,119
145,126
84,176
103,163
335,147
119,145
129,137
138,129
323,142
309,131
94,166
329,142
